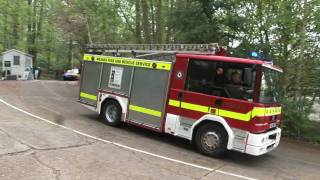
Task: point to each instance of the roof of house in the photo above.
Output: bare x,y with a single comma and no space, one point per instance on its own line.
10,50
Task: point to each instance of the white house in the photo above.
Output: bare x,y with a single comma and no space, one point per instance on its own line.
17,65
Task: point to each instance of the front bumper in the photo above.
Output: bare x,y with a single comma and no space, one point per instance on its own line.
258,144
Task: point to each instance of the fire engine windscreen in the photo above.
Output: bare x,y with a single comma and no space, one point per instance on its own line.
268,90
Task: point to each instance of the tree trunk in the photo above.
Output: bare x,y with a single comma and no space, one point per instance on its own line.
159,22
39,25
32,30
138,21
153,31
49,60
5,28
15,25
169,24
29,25
88,29
145,22
69,64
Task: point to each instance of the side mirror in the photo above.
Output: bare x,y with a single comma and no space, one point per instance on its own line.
248,76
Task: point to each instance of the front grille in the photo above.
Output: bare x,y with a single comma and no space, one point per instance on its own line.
273,136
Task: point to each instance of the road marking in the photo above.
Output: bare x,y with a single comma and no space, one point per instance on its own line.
128,147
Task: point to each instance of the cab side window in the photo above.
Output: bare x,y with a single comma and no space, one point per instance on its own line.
224,79
202,78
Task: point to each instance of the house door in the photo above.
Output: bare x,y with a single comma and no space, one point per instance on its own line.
7,68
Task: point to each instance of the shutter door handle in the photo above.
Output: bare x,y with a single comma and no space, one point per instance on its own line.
180,96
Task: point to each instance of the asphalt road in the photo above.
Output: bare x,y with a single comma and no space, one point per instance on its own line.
78,145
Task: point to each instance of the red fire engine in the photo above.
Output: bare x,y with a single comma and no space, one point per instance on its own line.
219,103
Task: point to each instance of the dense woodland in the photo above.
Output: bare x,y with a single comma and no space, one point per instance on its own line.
288,31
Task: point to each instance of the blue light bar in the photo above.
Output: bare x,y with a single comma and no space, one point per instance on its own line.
254,54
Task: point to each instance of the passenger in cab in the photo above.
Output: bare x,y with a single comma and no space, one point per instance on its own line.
219,79
236,79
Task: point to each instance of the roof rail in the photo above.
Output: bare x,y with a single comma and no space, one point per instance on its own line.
152,48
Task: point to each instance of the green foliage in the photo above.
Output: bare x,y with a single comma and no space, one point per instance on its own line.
313,133
295,124
294,120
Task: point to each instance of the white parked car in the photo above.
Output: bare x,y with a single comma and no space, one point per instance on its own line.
71,75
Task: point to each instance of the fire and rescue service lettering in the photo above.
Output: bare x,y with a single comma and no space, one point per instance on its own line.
129,62
124,62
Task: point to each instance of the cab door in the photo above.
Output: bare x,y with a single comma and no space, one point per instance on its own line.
192,94
200,96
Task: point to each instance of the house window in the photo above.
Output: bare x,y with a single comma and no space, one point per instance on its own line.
16,60
7,64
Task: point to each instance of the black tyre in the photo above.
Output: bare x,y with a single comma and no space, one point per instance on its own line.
111,113
211,140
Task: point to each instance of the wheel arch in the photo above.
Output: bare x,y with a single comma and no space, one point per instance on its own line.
212,119
104,97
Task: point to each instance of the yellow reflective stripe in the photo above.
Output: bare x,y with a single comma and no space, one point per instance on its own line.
235,115
195,107
271,111
256,111
87,57
88,96
160,65
189,106
145,110
174,103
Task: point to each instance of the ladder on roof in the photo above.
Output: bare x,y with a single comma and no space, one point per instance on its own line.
152,48
152,51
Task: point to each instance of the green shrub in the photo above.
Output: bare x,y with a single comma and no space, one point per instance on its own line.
295,121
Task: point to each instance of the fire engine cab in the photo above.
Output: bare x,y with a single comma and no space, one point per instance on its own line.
219,103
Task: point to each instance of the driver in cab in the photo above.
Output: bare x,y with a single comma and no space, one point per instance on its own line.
238,89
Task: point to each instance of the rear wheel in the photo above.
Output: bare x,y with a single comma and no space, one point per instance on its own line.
211,140
111,112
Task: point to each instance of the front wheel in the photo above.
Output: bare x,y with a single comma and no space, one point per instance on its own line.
111,113
211,140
